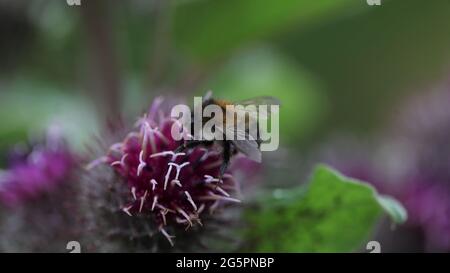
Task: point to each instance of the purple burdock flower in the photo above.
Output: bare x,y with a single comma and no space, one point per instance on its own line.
424,123
430,207
38,197
36,171
170,189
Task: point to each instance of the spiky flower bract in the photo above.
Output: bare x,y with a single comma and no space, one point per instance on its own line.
159,192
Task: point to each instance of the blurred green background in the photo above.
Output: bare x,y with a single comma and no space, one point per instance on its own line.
335,65
338,66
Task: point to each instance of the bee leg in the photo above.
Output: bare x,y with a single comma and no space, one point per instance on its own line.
226,158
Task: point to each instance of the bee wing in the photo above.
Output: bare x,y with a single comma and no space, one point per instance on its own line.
257,101
207,96
263,100
248,146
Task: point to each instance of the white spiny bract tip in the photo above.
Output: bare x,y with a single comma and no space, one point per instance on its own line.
163,216
189,198
205,154
161,136
133,192
155,107
115,163
149,136
201,208
153,183
222,191
168,237
215,197
165,153
140,121
210,179
120,162
127,210
142,201
175,155
178,168
142,163
185,215
164,209
161,154
155,202
151,132
166,178
177,182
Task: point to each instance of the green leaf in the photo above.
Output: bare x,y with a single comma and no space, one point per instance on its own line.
335,214
208,29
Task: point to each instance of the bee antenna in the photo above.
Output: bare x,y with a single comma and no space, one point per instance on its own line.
208,95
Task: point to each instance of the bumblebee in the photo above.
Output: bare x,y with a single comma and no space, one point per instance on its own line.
245,141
